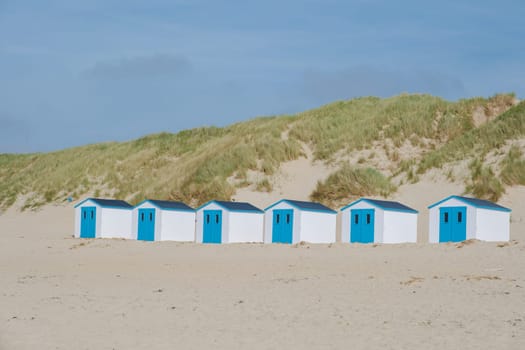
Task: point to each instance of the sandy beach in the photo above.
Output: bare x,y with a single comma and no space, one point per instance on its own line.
171,120
64,293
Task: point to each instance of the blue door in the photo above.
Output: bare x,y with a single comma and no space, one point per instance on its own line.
88,222
445,225
282,226
146,225
362,225
212,226
459,233
452,224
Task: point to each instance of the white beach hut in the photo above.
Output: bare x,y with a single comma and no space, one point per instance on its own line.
158,220
291,221
378,221
456,218
103,218
229,222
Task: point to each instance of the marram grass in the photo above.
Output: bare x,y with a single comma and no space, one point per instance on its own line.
194,165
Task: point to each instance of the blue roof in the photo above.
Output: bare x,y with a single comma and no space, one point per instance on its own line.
308,206
108,203
234,206
475,202
385,205
168,205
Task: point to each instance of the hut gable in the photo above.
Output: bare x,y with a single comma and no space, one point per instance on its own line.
378,221
229,222
290,221
161,220
458,218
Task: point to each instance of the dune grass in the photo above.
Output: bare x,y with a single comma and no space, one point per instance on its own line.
264,186
194,165
513,167
349,183
483,183
356,124
479,141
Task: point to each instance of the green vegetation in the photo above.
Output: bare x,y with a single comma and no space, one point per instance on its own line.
356,124
483,183
513,167
264,186
349,183
493,135
194,165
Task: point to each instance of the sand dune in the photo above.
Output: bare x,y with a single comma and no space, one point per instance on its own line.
58,292
294,179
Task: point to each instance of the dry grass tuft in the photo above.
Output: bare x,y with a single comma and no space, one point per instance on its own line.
349,183
465,243
481,277
412,280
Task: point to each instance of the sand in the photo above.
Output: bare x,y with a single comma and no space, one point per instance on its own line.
294,179
58,292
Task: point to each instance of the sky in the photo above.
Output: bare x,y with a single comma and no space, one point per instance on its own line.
78,72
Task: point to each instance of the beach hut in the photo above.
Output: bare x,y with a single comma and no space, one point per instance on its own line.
103,218
456,218
229,222
377,221
156,220
291,221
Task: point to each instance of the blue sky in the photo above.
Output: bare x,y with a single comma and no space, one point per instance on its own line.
78,72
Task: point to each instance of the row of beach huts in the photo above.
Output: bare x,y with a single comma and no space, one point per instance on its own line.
452,219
